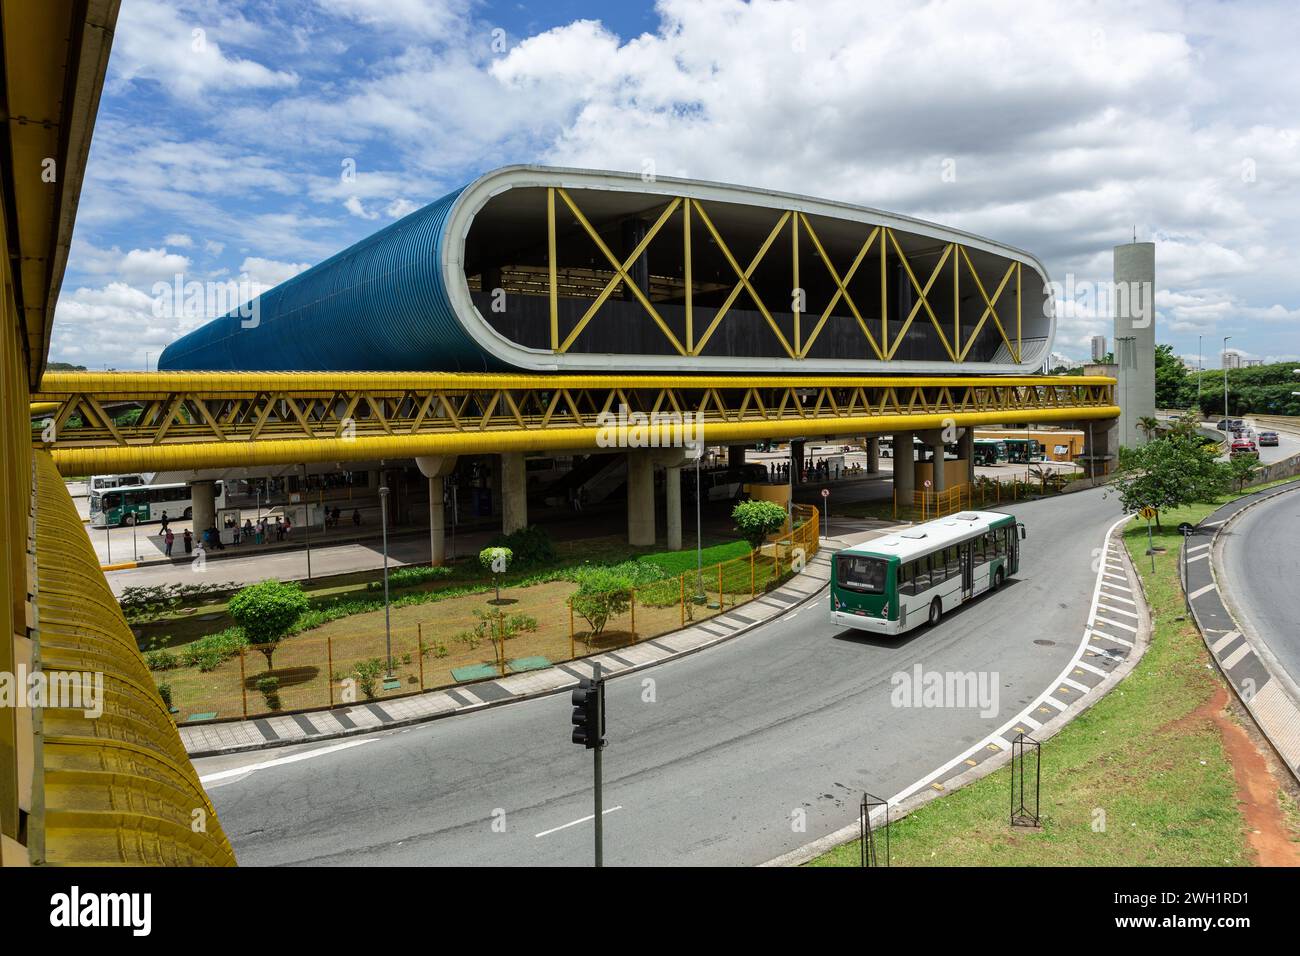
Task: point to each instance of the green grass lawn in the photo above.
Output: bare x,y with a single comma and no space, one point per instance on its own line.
1141,755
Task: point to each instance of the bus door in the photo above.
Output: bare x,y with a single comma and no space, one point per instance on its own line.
967,572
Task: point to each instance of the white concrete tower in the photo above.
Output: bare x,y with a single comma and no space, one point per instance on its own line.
1135,337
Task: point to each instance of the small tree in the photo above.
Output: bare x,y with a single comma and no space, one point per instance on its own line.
1148,425
497,560
755,520
1243,469
266,612
603,592
1169,472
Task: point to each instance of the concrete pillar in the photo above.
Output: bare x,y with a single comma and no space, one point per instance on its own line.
966,452
673,505
873,455
938,477
1135,338
796,453
203,507
514,492
641,498
735,456
436,469
904,468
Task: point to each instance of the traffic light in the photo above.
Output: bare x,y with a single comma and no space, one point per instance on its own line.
589,714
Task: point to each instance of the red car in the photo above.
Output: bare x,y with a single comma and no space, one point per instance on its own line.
1243,446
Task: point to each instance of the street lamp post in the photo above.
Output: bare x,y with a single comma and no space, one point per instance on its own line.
388,629
306,525
1225,375
699,536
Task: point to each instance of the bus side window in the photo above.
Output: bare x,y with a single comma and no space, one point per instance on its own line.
954,561
905,579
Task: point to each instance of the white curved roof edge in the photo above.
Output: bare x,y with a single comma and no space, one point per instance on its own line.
477,194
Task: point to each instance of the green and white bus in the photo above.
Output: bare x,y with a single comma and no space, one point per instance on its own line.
916,575
137,504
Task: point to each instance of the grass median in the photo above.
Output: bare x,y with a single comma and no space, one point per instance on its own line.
1142,778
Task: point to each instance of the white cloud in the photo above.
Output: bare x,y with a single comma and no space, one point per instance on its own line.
401,207
269,272
179,239
353,205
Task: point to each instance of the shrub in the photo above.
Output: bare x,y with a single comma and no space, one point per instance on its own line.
755,520
161,660
366,673
266,612
531,545
410,576
603,592
207,653
165,692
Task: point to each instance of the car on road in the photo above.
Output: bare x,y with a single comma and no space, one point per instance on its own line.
1242,447
1268,438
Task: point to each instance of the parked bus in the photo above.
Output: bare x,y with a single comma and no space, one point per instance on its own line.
989,451
1021,451
138,504
105,482
914,576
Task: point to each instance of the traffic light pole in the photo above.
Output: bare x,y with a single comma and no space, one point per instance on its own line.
600,745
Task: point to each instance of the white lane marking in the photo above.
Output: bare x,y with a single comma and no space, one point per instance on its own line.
1199,547
574,823
1116,597
279,761
1049,699
1199,591
1109,623
1110,637
1199,557
1119,610
1224,641
1117,587
1095,670
1233,659
1116,577
1068,682
1213,524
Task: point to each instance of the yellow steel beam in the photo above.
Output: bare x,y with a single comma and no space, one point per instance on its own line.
214,454
842,288
554,291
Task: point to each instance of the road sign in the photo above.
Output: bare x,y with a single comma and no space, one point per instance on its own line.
826,492
1148,512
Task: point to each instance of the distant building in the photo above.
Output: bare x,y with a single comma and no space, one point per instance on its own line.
1231,359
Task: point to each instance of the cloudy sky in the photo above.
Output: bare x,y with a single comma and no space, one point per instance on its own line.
226,128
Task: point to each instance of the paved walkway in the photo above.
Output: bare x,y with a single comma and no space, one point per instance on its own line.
1246,670
265,732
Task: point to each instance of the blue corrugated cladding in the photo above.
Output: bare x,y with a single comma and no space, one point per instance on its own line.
378,306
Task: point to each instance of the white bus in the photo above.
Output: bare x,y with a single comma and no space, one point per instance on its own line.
916,575
137,504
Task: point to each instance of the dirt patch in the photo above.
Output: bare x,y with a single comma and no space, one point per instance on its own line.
1269,835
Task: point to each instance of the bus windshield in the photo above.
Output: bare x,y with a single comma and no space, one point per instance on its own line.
863,574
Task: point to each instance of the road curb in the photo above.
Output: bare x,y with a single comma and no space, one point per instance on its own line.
926,789
1241,656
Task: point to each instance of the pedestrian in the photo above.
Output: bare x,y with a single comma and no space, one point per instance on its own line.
279,529
188,538
356,517
165,521
288,526
169,538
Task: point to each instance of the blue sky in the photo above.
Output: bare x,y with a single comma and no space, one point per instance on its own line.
226,127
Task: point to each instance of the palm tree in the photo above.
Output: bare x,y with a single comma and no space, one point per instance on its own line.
1148,425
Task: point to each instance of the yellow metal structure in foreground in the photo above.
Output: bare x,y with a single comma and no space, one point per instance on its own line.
191,420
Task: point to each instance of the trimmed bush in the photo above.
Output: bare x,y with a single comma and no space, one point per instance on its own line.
267,612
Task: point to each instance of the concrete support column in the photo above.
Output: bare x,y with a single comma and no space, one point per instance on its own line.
514,492
937,468
966,452
904,468
735,456
673,505
641,498
873,455
796,452
203,507
436,469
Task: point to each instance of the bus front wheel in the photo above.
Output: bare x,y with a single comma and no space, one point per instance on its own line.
189,514
936,611
998,577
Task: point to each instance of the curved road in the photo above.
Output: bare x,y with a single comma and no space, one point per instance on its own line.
713,758
1258,561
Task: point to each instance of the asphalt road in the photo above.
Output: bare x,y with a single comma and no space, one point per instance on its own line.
1259,550
711,757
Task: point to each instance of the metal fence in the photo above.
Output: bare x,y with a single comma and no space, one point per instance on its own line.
457,641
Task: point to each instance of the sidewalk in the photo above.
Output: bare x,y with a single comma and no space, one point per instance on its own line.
1263,692
202,740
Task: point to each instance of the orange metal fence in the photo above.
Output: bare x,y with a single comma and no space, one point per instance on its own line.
456,641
